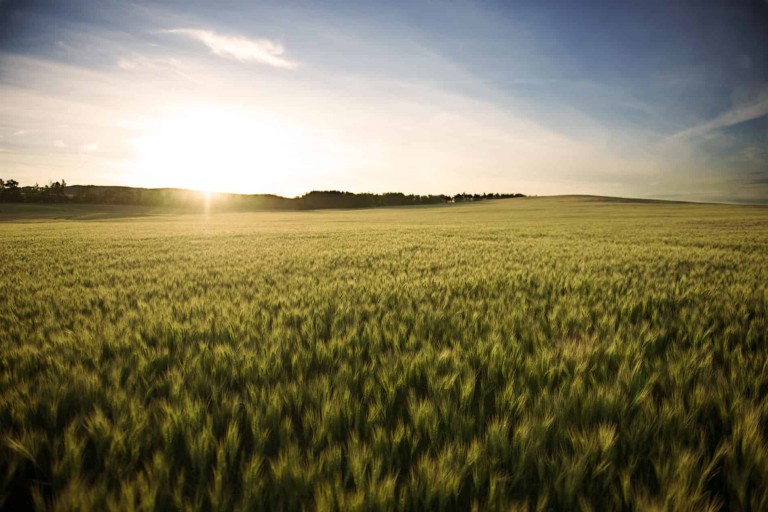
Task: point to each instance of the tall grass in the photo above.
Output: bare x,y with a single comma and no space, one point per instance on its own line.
533,355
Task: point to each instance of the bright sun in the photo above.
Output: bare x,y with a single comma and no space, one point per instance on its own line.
219,149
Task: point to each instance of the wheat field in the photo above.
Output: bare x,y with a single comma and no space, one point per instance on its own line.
568,353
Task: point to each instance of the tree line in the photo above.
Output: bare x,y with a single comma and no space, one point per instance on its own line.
59,192
12,192
337,199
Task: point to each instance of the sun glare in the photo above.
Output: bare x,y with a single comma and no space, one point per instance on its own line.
219,150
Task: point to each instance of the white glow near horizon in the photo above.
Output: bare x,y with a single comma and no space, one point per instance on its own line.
218,149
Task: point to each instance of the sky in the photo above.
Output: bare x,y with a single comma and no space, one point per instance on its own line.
659,99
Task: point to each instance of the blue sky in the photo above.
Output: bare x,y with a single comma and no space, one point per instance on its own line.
638,98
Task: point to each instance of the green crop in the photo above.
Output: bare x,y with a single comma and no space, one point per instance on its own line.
527,354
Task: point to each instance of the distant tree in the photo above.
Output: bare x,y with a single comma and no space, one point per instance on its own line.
9,191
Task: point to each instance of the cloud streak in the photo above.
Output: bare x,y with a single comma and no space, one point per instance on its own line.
732,117
240,48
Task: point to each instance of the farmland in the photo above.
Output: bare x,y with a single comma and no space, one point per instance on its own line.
541,353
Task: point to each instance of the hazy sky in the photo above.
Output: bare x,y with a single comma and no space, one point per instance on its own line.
643,98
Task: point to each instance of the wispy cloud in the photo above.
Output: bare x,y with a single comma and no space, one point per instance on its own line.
240,48
135,63
732,117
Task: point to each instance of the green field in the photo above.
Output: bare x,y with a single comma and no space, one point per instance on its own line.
529,354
